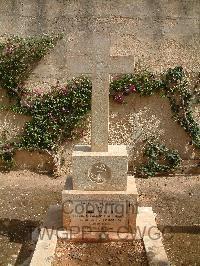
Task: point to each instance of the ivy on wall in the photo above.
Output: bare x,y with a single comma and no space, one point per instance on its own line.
173,84
181,99
57,113
6,155
18,57
159,159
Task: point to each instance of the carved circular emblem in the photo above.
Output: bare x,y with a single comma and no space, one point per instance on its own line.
99,173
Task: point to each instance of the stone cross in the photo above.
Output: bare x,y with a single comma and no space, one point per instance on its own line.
103,66
100,170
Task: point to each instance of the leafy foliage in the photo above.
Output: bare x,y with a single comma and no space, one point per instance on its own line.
56,114
173,85
143,82
18,57
181,99
160,159
6,155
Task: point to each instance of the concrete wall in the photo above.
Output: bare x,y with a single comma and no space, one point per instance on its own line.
159,33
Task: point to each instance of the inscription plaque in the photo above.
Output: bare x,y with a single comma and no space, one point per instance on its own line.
99,215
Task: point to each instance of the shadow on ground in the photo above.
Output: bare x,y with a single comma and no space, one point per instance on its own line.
18,237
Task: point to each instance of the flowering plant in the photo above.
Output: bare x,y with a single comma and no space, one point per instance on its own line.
57,113
18,57
173,85
143,83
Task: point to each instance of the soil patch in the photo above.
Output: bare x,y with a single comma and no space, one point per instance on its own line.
113,253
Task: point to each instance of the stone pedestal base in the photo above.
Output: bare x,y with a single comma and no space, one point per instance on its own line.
100,211
102,171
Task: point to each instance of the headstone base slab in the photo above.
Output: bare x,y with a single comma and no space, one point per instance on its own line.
101,211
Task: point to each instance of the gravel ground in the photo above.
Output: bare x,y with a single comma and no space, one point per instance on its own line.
126,253
26,196
176,201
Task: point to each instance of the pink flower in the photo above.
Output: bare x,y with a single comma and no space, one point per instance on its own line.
38,91
64,90
9,50
132,88
119,98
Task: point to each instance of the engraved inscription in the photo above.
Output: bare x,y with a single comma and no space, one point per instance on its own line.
98,215
99,173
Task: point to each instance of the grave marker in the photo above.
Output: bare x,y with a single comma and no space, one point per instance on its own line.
100,170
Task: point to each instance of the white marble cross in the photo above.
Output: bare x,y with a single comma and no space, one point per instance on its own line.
103,66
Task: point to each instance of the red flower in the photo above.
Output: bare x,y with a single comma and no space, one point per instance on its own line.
119,98
132,88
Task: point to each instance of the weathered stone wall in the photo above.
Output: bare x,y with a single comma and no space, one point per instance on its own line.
158,33
141,117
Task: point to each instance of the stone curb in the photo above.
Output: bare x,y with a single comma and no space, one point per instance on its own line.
47,239
146,230
152,237
45,248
